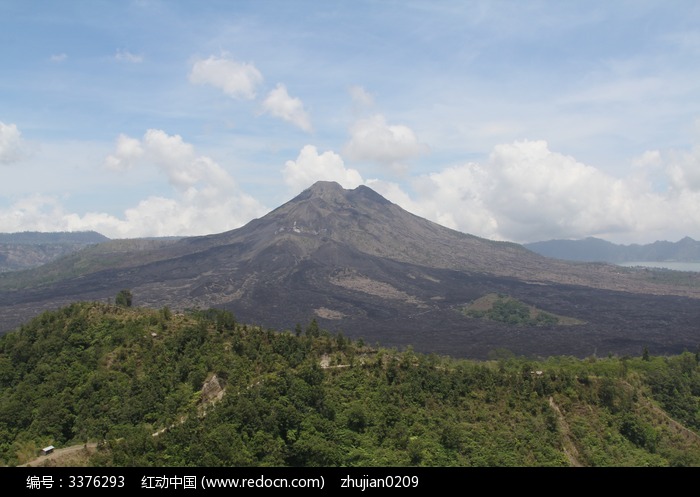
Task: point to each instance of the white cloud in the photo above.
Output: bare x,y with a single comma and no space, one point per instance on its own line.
525,192
126,56
522,191
197,213
178,160
46,213
59,57
374,140
236,79
34,212
310,167
10,143
128,151
535,191
206,198
172,155
454,198
393,192
683,169
280,104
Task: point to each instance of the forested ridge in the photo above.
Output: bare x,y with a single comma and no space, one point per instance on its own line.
159,388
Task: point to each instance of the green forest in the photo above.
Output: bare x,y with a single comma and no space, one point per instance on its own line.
154,388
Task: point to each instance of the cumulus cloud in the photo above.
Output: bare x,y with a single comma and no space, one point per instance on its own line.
196,213
374,140
236,79
185,170
526,192
279,104
128,151
522,192
46,213
173,156
535,190
683,169
310,167
206,198
10,143
36,211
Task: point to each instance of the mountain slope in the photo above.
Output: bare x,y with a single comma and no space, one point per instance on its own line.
31,249
354,260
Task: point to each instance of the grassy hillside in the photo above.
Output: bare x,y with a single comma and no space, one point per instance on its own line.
156,388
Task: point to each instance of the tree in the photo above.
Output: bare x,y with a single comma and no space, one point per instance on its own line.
313,329
124,298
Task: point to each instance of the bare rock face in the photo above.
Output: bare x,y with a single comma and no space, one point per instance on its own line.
212,391
361,264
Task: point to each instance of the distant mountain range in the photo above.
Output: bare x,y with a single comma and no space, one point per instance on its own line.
596,250
30,249
356,262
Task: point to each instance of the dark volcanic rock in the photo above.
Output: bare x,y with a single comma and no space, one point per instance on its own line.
359,263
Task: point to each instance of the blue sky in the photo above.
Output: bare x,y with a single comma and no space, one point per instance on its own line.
513,120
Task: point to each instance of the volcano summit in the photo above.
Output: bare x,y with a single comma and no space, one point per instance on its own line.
356,262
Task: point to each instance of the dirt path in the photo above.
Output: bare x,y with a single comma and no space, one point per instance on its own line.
60,457
569,447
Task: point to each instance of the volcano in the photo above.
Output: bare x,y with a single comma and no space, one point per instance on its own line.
361,265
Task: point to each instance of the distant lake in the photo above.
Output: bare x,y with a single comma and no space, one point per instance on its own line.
677,266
